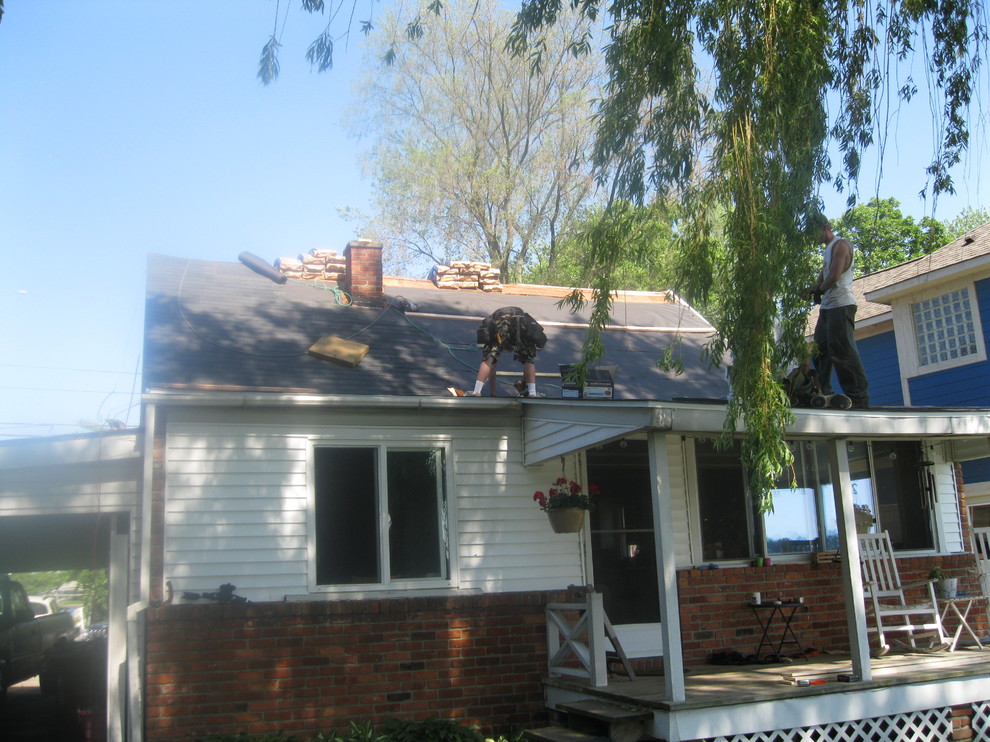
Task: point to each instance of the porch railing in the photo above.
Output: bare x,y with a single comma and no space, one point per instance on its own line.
576,639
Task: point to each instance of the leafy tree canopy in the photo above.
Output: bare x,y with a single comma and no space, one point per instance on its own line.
475,157
966,221
882,236
648,264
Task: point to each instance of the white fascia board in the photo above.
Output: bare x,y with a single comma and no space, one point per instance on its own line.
888,294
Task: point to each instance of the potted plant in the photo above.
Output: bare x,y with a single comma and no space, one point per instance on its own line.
565,504
945,586
864,518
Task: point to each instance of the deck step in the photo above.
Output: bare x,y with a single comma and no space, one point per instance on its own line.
618,722
556,733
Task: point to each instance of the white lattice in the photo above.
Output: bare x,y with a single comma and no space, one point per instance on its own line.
981,721
934,725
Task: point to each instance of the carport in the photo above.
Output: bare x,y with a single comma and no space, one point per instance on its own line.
73,502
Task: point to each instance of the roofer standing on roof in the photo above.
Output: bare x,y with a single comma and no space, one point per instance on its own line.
835,342
509,328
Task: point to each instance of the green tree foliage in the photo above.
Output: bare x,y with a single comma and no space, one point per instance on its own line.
966,221
881,236
93,585
646,262
475,157
764,129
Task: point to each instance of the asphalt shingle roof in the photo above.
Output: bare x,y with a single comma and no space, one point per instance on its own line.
220,325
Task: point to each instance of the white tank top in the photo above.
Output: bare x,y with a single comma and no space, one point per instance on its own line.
840,295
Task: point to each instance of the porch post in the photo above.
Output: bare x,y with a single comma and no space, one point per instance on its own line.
852,578
663,533
117,649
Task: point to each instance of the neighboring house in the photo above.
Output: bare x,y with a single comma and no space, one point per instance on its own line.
385,536
922,328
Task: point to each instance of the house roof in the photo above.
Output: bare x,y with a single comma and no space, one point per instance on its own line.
873,291
214,326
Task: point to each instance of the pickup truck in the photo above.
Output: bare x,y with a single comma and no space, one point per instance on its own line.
24,638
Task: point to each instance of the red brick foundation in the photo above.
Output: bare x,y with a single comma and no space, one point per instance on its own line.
302,668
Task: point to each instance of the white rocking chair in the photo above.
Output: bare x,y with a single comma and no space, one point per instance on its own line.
886,602
981,548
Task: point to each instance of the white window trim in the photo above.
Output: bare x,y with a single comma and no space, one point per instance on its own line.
375,441
907,346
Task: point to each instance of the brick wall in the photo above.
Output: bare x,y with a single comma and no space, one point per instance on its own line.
715,616
363,275
301,668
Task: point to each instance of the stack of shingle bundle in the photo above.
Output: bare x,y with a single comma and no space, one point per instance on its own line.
290,267
316,265
334,265
490,279
463,274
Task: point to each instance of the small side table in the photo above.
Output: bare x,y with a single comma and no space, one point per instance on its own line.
781,614
965,602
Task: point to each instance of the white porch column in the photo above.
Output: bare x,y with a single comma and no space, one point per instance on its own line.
119,575
663,533
852,578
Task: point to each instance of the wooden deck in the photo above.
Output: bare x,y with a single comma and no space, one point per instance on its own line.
718,685
721,699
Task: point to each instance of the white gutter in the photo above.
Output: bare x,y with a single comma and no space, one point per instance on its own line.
247,399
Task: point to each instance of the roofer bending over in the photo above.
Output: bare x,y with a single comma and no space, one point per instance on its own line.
509,328
834,339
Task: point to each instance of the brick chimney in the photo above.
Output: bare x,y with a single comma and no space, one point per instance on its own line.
362,278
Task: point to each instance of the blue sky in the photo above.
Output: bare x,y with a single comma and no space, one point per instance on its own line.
129,128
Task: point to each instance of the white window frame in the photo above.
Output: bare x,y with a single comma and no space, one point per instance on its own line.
906,334
418,443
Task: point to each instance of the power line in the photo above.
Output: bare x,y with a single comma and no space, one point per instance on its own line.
64,368
59,389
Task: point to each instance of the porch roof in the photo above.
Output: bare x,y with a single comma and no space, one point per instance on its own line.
555,428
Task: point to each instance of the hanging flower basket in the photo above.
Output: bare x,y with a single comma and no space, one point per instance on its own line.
566,520
565,505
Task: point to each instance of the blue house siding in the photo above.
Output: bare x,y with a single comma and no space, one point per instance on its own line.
963,386
976,472
879,354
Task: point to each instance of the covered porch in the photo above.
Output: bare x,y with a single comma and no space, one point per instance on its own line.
693,701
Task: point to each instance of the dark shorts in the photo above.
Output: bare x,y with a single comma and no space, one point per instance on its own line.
507,337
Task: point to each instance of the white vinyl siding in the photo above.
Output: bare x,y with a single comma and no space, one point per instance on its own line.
236,511
504,541
238,505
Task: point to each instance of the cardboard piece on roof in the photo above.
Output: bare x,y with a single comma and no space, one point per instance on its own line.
339,350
